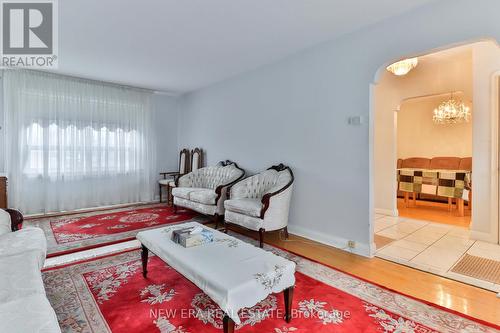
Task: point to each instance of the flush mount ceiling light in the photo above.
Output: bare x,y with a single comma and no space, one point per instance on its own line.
452,111
403,67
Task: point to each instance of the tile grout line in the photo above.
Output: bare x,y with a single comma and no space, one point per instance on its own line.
429,246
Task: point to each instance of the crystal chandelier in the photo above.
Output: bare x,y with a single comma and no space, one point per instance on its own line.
403,67
452,111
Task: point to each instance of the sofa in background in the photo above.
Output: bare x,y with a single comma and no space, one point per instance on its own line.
24,308
205,190
261,202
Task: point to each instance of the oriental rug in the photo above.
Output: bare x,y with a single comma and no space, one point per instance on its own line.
72,233
109,294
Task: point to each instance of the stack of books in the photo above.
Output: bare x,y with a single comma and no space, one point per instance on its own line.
192,236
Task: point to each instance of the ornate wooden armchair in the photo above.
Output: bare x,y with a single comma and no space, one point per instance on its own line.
171,176
261,202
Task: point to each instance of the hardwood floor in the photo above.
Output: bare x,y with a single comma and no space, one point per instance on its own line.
453,295
435,212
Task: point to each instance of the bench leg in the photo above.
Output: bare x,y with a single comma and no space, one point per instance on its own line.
160,193
262,231
144,257
228,324
216,221
288,304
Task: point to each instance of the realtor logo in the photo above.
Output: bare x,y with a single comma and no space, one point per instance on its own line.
29,33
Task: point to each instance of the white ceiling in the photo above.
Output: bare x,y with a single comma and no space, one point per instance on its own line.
182,45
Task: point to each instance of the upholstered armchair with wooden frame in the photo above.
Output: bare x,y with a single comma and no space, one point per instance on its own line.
171,176
205,190
261,202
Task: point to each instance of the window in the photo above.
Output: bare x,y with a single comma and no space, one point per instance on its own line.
69,151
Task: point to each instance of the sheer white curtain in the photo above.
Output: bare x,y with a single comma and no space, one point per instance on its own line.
75,143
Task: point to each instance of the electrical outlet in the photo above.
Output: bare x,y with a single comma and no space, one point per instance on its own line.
351,244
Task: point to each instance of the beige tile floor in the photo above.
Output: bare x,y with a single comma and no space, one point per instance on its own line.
432,247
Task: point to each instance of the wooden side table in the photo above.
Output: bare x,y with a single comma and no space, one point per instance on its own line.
3,192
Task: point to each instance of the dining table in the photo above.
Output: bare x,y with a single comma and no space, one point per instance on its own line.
452,184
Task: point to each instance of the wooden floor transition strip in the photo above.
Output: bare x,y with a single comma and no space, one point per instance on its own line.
479,268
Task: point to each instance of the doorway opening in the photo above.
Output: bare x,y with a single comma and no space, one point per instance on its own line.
435,163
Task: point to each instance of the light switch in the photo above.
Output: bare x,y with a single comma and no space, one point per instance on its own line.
355,120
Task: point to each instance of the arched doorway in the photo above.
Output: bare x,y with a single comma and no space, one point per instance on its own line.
467,71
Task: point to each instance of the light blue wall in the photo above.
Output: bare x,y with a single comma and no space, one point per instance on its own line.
295,111
166,125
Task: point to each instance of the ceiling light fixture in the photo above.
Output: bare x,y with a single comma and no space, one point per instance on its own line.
451,111
403,67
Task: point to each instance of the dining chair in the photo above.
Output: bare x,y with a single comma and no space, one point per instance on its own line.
171,176
196,159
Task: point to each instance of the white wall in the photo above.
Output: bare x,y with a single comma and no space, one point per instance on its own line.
419,136
486,66
295,111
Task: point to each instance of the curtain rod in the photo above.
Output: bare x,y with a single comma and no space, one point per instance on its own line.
111,83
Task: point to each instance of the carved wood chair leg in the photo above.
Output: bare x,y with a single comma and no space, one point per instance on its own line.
144,257
261,237
170,199
160,192
225,226
228,324
216,220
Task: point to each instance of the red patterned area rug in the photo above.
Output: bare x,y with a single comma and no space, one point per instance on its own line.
72,233
110,295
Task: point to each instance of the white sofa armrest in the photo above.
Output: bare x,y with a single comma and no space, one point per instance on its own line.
275,214
185,181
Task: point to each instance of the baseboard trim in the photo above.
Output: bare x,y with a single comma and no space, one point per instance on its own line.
483,236
87,210
389,212
361,249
